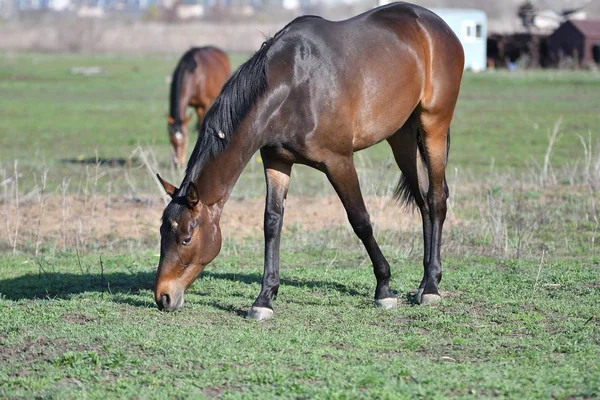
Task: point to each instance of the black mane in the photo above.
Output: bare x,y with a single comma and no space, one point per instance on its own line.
226,114
224,117
187,63
228,111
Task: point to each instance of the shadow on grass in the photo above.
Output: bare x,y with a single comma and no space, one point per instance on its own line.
411,298
240,312
311,284
54,285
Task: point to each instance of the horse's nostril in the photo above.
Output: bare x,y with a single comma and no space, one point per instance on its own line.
164,302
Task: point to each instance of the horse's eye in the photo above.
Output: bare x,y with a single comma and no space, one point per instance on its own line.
186,241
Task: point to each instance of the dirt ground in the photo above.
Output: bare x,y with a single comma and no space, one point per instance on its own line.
72,220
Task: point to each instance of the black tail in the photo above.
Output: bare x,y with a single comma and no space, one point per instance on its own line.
404,192
408,187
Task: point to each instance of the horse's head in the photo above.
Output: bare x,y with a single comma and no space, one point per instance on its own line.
190,239
178,135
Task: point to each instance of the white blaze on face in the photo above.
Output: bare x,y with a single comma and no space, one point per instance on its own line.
178,135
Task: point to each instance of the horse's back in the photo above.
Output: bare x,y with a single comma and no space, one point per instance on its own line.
398,34
404,20
207,58
210,74
369,72
213,57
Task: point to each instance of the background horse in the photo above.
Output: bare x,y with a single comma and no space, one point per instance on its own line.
197,81
314,94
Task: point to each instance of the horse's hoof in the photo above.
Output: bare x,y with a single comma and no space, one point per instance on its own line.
259,313
387,303
418,294
430,298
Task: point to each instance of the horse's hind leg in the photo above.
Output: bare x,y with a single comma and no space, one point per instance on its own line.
277,175
342,175
415,181
434,131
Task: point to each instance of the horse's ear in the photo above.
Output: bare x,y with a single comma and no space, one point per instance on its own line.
170,119
192,195
170,189
187,119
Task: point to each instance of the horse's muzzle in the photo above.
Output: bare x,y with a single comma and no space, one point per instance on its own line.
166,302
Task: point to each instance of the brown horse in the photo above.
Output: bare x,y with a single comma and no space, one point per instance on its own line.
197,81
314,94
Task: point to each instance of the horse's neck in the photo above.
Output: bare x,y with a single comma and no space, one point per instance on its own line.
220,174
181,97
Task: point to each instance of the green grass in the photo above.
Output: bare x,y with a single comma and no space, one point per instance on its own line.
50,117
82,323
501,332
506,118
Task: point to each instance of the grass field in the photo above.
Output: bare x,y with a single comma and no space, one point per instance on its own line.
79,249
500,332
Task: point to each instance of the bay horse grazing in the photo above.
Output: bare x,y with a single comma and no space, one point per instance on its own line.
197,81
314,94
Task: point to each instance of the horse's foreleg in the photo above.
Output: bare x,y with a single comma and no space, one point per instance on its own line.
342,175
277,175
